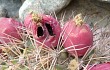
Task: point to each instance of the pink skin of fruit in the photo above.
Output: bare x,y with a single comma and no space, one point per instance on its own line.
78,36
45,29
8,30
103,66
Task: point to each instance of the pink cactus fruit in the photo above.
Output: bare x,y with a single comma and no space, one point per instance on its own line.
78,36
103,66
45,29
9,30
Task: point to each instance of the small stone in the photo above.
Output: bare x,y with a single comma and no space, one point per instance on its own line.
41,7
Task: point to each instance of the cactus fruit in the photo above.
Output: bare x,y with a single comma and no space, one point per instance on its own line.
78,36
44,28
9,30
103,66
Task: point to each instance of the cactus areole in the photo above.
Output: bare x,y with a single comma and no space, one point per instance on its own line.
78,36
45,29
